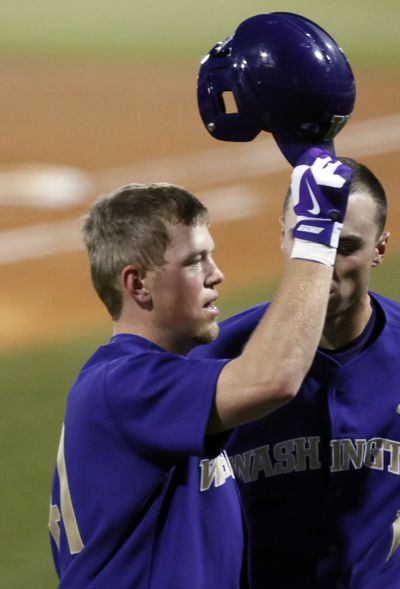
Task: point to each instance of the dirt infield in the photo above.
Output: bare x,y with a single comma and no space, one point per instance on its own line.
106,126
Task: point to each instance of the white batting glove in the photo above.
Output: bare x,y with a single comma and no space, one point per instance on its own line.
320,191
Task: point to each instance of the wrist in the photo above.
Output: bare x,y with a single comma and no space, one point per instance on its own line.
317,230
313,252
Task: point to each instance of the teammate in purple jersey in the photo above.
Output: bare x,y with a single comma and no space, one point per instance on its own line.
320,477
143,494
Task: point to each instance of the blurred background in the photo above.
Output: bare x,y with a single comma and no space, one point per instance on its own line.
95,95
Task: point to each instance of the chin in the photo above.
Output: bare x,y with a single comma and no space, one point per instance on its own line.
207,336
334,303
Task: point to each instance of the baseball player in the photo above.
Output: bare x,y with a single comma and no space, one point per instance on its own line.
143,495
320,477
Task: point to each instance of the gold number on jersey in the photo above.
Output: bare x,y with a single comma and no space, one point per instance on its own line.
66,513
396,535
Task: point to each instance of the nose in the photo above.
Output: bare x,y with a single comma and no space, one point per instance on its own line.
214,275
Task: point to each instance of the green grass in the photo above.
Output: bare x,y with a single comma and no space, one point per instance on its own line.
158,31
35,382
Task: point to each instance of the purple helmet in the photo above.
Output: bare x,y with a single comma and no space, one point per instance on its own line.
287,76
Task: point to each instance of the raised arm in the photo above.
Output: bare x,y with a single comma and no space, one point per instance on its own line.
280,351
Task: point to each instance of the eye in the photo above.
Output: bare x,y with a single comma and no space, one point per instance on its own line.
347,249
194,261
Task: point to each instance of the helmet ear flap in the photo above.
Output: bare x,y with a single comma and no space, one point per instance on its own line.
224,113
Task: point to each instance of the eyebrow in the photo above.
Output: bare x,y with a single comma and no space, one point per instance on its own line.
198,252
352,238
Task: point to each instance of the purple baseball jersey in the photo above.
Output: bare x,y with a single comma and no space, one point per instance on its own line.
320,477
141,498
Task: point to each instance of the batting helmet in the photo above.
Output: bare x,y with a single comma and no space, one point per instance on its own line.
287,76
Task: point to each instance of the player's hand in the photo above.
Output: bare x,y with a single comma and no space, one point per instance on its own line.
320,191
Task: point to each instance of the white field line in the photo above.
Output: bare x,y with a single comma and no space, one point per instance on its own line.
47,239
228,162
223,165
36,241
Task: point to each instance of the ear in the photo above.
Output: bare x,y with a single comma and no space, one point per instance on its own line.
380,249
134,283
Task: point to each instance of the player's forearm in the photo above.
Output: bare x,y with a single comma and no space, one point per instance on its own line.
277,357
287,337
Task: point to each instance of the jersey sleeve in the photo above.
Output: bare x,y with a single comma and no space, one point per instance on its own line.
161,403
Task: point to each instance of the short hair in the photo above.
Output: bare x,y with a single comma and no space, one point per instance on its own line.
363,180
130,225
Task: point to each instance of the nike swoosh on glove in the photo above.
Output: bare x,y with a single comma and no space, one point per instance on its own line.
320,190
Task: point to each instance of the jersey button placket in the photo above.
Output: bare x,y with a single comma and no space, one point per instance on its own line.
329,562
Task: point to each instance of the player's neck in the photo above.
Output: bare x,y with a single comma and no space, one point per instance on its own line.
161,337
342,329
